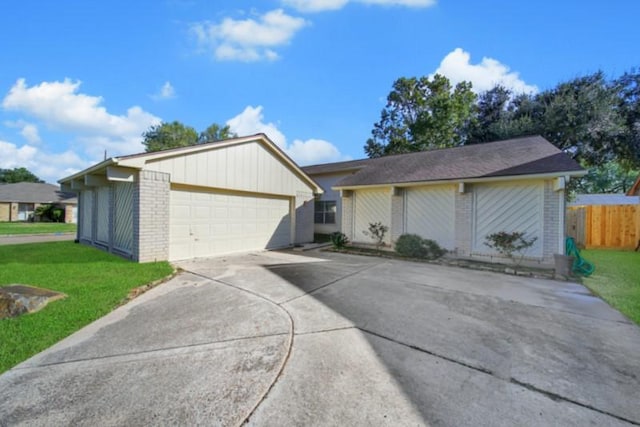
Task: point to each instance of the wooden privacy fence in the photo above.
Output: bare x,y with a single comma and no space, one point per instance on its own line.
604,226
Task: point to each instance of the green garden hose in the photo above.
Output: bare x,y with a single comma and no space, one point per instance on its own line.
580,265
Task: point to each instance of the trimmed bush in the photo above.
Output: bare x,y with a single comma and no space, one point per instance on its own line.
414,246
339,240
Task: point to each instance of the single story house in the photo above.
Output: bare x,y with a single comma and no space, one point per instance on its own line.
240,194
455,196
18,201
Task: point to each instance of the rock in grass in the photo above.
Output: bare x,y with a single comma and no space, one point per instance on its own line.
19,299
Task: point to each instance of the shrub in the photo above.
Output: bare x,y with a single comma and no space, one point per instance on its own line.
509,243
376,231
339,240
414,246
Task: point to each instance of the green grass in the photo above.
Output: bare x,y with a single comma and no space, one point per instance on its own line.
35,228
616,279
94,282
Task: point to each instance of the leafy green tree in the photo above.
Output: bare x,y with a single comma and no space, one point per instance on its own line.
169,135
628,90
422,114
9,176
491,112
176,134
215,132
611,177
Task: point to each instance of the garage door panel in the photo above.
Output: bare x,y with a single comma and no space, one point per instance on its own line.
508,208
431,214
207,224
371,206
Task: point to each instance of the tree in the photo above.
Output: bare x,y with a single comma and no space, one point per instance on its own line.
611,177
9,176
169,135
176,134
422,114
215,133
490,114
628,90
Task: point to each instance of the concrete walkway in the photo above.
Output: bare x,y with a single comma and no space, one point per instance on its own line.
281,339
36,238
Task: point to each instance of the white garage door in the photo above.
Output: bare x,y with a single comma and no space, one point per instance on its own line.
431,214
508,207
206,224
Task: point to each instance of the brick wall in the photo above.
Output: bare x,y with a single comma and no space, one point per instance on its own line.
463,221
347,215
151,217
397,216
551,222
304,210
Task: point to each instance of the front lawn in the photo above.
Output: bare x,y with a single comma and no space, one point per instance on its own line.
94,282
616,279
35,228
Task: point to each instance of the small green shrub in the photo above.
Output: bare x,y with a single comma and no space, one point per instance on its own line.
414,246
376,231
339,240
509,244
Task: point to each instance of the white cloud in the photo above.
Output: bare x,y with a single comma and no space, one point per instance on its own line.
167,91
251,121
47,166
325,5
29,131
248,40
60,106
457,66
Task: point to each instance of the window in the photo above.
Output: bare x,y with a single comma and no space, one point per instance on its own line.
325,212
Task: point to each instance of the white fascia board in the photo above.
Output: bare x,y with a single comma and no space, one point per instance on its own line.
465,180
120,174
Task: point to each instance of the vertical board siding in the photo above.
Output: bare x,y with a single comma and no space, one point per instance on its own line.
430,213
606,226
508,207
246,167
86,204
102,214
371,206
123,216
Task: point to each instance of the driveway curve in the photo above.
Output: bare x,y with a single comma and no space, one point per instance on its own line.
189,352
289,339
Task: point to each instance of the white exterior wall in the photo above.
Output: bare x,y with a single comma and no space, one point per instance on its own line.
508,207
371,206
248,167
430,213
326,182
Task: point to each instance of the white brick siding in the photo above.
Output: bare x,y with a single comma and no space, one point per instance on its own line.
151,217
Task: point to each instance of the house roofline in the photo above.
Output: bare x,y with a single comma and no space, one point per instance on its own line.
138,161
464,180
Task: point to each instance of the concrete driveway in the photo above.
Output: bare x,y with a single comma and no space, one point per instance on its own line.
283,339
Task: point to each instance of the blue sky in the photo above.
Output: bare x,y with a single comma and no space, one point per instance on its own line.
81,78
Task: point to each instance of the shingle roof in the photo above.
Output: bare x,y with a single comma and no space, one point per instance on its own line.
30,192
521,156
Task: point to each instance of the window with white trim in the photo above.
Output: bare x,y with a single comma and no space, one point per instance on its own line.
325,212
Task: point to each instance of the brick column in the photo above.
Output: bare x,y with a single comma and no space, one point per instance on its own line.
464,221
151,217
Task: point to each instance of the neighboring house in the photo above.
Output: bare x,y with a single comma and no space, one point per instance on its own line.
456,196
19,201
603,199
228,196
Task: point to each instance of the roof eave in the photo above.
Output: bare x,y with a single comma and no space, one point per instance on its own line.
471,180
